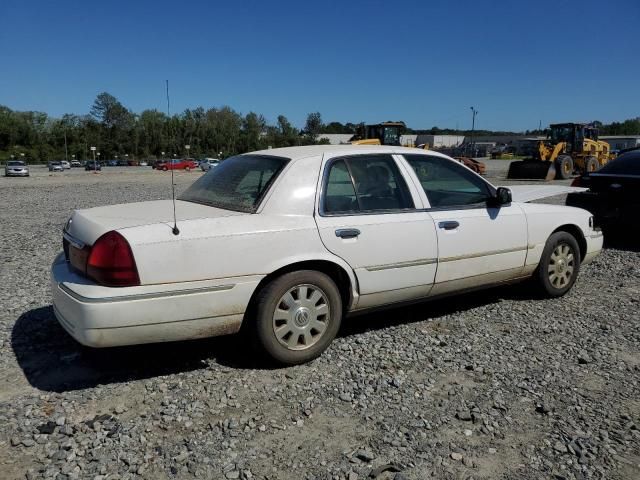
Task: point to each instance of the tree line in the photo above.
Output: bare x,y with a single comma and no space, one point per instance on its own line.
117,132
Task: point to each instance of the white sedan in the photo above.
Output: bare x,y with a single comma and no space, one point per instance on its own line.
286,242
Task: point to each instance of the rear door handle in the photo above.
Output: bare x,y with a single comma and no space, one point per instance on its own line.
347,232
449,225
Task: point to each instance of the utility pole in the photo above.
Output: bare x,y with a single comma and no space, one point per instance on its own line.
474,112
66,153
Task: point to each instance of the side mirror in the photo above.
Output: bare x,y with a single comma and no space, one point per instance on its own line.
502,197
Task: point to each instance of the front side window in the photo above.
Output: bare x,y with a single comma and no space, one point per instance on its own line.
365,183
448,184
238,183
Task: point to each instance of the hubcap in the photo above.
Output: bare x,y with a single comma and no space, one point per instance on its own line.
301,317
561,265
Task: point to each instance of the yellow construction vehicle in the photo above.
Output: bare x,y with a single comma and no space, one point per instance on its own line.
386,133
390,133
570,148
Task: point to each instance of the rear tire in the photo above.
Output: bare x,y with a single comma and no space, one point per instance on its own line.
564,167
164,169
591,164
559,266
296,317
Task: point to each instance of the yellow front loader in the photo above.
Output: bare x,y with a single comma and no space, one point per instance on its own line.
570,148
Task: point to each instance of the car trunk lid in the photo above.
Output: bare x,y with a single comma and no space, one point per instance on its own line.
86,226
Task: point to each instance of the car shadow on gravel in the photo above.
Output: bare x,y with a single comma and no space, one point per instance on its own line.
620,240
52,361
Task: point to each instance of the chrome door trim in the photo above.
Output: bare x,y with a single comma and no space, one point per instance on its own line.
411,263
482,254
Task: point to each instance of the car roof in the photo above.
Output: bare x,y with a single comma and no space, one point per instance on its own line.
297,153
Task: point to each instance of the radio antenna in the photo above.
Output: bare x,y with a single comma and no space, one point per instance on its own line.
173,185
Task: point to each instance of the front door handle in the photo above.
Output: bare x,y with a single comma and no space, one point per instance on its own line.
347,232
449,225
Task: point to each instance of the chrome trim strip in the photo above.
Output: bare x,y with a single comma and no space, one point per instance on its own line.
143,296
411,263
73,240
482,254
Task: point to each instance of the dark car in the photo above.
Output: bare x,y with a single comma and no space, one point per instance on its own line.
614,192
91,165
112,163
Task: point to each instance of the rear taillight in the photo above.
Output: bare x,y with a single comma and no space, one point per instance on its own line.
111,262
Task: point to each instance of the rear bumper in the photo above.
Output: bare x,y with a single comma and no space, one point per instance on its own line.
99,316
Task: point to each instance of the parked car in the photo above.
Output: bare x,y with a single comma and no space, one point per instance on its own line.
65,164
16,168
613,194
75,164
288,241
208,163
55,167
178,164
112,163
144,163
91,165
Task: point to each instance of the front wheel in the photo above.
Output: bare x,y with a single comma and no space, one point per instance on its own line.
559,266
591,164
297,316
564,167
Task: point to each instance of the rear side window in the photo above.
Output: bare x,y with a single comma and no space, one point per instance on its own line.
365,183
238,183
446,183
625,164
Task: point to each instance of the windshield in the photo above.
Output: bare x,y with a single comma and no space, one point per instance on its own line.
561,134
15,163
238,183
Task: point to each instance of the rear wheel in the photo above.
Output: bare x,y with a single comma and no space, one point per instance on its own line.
559,265
297,316
564,167
591,164
164,169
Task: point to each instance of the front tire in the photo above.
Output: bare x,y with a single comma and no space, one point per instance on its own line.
559,266
564,167
297,316
591,164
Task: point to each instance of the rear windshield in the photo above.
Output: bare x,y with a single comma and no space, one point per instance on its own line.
237,183
625,164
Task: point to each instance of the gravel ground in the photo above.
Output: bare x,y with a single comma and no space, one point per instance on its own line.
491,385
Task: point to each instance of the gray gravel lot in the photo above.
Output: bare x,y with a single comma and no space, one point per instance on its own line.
490,385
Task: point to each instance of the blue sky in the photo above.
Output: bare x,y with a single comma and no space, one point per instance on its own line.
426,62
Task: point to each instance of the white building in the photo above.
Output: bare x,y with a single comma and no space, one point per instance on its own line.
620,142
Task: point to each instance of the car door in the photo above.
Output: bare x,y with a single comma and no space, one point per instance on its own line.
477,243
370,216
